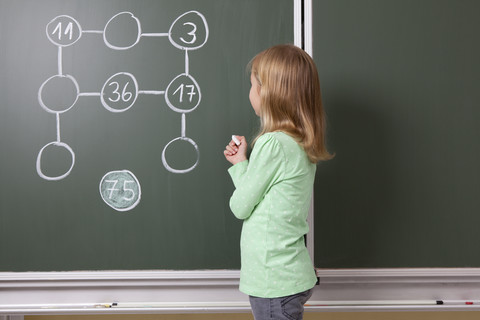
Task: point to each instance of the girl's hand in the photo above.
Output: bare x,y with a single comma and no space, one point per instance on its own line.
235,154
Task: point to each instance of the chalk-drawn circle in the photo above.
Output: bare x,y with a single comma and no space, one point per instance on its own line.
119,92
39,161
183,94
63,31
123,31
189,31
58,93
120,190
173,170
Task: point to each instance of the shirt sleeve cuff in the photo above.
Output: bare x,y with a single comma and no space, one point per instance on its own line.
237,171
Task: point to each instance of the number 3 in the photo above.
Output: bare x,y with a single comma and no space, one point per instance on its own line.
191,33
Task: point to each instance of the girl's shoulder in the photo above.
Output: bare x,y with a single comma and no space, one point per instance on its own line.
273,135
285,142
278,141
279,137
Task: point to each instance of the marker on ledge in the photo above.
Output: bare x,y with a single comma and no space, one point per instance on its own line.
391,303
235,139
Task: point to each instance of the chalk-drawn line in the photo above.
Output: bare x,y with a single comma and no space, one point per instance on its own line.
154,35
184,126
187,65
89,94
154,92
93,31
58,127
59,61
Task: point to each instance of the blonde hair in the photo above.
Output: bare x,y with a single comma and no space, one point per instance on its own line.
290,98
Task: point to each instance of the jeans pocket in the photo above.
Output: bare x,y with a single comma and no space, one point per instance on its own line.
292,306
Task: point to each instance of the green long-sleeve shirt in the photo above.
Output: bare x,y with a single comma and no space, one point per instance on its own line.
272,194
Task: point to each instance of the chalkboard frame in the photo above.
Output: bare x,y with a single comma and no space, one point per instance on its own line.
30,293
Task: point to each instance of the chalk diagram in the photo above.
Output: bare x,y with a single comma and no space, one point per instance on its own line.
120,189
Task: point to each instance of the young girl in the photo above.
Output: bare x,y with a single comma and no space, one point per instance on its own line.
273,188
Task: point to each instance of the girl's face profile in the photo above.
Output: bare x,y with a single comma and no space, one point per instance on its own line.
255,94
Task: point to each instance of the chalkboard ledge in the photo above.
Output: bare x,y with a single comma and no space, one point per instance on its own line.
209,291
85,292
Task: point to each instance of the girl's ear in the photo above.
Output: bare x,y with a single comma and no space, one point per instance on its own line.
258,80
258,84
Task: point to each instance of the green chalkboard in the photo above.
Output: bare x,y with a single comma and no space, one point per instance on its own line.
400,82
113,119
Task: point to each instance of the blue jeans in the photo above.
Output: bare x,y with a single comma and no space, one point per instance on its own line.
283,308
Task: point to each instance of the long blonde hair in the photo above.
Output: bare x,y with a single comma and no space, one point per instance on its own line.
290,98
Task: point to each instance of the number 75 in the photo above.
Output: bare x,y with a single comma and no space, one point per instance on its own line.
125,189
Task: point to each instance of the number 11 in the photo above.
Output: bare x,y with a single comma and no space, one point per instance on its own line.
68,30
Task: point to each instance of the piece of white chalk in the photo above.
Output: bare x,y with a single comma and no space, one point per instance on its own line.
235,139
